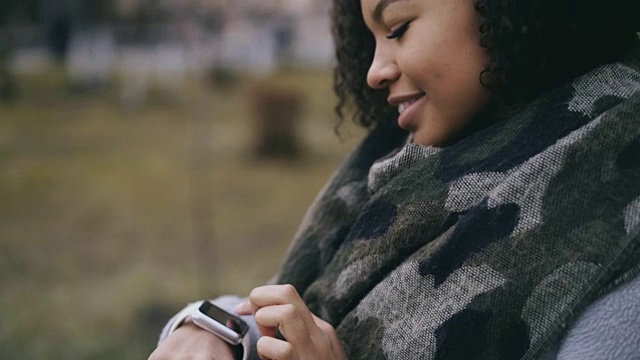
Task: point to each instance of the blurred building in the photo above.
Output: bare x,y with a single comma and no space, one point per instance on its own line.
159,44
250,34
189,35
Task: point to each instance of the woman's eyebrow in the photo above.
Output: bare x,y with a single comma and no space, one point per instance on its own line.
379,9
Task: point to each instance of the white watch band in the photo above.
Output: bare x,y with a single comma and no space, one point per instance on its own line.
185,313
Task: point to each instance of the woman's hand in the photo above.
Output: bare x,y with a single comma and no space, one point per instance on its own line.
280,308
191,342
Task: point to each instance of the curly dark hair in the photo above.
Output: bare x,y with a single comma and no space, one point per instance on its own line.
532,44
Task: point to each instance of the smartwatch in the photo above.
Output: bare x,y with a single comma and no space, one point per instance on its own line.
228,327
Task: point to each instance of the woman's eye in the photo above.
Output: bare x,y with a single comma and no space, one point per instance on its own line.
397,33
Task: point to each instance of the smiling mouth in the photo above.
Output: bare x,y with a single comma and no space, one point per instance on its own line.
405,105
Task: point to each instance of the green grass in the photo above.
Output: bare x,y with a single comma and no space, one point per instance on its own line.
111,220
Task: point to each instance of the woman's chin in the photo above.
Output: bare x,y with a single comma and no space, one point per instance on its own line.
425,138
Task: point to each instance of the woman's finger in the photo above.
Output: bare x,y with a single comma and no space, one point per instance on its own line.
243,308
273,349
274,295
280,295
288,320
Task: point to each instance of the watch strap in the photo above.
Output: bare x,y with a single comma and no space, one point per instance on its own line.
184,315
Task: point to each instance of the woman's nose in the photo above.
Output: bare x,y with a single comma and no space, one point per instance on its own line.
382,72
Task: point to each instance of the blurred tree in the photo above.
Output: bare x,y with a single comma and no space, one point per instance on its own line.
59,35
16,11
100,10
7,83
62,17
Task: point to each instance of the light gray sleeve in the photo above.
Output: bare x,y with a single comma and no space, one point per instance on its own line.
609,329
227,303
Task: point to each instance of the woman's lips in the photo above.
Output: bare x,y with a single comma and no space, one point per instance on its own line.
408,113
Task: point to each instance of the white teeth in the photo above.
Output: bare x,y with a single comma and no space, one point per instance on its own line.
404,105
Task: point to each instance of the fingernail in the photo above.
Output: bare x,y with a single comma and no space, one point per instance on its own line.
241,306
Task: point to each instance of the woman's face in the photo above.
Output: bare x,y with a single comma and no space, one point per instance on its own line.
428,56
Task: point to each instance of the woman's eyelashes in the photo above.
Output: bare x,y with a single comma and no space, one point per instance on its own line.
397,33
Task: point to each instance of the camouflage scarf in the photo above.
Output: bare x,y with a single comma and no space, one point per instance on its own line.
485,249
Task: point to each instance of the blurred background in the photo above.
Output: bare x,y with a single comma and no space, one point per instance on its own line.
152,152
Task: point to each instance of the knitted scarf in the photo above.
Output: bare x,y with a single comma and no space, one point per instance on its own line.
485,249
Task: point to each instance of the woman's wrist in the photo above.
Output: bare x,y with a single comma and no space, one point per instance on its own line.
183,319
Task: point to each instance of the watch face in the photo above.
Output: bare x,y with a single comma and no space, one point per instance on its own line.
224,318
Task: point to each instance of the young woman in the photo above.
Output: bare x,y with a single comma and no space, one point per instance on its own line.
493,212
